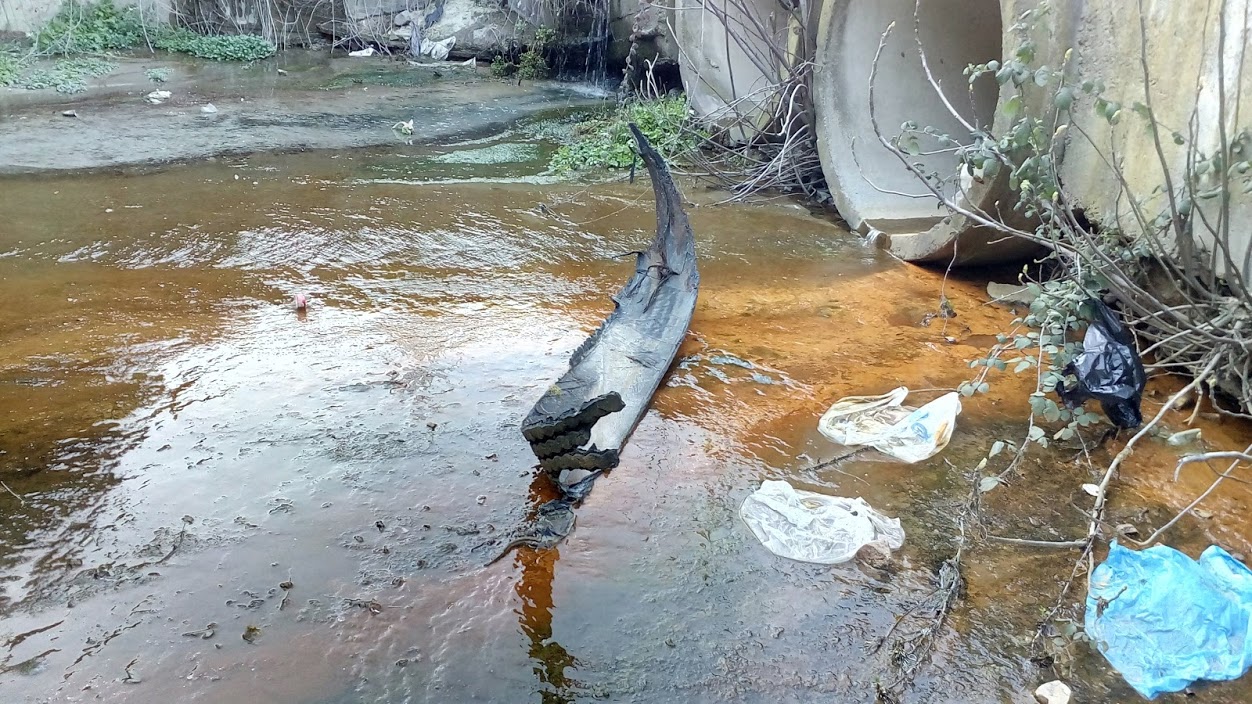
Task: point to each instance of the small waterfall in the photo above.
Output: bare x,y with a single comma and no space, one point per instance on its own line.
584,29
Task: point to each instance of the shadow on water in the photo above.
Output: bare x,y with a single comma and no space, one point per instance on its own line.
185,449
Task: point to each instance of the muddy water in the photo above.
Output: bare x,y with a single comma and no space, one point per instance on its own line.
217,498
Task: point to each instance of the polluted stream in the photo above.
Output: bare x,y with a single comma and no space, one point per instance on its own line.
218,498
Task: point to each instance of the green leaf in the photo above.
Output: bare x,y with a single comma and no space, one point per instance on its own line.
1042,76
987,484
1022,366
1064,98
1035,433
1012,107
982,464
996,448
1178,138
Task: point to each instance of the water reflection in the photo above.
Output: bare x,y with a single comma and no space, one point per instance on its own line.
440,313
534,591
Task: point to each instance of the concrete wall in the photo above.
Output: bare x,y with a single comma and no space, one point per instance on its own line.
27,16
1182,55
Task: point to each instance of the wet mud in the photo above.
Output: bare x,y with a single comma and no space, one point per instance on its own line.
218,498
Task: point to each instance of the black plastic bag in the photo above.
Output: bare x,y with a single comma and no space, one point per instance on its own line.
1108,370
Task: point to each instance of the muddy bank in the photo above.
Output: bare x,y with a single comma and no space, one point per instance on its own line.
315,103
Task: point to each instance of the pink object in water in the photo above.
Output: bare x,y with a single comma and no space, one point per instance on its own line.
302,301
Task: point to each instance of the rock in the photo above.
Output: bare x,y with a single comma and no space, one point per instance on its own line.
209,109
403,34
1054,692
482,29
1010,293
361,9
405,18
644,23
875,554
157,97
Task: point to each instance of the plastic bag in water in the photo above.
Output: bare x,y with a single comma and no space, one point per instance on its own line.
809,527
1108,370
891,428
1165,620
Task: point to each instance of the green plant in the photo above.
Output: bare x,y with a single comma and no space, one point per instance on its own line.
502,67
532,66
11,66
606,142
158,75
66,76
91,29
235,47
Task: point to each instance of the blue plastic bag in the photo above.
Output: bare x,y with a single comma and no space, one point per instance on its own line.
1164,620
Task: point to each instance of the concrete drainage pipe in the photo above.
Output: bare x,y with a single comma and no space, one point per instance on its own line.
727,51
870,186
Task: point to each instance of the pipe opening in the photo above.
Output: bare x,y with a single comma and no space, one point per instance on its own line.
954,34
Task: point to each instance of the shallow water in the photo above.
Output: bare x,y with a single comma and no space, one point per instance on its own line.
189,450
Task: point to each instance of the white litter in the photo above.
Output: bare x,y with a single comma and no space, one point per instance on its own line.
208,109
883,423
438,50
367,51
157,97
810,527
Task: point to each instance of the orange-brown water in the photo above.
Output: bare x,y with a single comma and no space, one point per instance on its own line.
183,442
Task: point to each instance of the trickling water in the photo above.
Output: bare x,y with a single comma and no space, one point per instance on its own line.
325,486
584,54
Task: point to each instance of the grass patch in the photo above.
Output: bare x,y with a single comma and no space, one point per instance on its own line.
606,142
234,47
66,75
102,27
158,75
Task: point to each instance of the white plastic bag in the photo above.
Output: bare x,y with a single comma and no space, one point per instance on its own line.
809,527
438,50
882,422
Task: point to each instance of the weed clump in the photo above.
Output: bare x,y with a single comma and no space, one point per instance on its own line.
606,142
532,64
232,47
65,76
90,29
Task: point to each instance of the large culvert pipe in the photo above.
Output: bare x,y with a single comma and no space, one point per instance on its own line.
731,57
871,187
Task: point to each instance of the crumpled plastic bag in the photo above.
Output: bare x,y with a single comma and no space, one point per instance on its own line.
1164,620
881,422
810,527
438,50
1108,370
